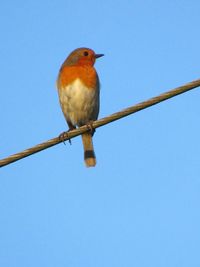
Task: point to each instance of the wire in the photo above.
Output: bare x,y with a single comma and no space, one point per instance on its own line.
96,124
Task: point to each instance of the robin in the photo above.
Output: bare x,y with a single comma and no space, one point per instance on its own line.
78,89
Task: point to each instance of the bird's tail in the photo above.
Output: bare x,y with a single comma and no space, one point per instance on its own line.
89,155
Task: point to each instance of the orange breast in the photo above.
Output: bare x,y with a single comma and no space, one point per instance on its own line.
87,74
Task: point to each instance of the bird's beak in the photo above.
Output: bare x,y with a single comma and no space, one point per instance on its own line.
99,55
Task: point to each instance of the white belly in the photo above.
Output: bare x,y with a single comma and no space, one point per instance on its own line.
79,104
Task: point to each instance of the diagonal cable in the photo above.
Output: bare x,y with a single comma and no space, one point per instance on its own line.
116,116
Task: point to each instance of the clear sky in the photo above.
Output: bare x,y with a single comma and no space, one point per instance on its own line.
140,205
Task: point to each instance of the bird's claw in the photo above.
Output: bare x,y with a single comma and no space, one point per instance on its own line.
90,127
62,137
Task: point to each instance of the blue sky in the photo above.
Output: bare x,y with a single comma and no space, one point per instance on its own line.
140,205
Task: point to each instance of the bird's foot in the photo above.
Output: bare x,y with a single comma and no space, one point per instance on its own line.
64,135
90,127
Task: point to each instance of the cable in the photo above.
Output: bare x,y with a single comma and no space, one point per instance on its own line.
96,124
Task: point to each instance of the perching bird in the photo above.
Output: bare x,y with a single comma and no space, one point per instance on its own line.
78,89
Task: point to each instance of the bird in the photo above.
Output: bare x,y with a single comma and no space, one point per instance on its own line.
78,90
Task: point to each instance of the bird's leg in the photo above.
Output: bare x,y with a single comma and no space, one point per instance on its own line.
90,127
63,135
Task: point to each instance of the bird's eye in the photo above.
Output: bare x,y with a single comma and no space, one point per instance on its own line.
85,53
